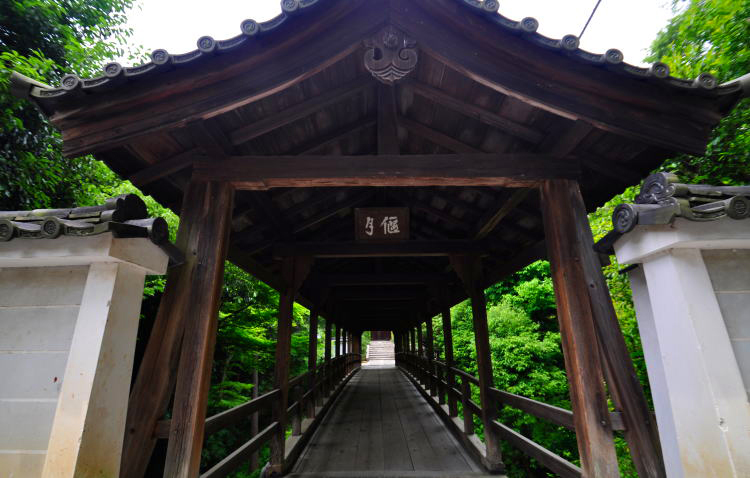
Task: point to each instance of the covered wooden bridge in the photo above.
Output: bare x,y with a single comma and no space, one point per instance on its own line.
379,161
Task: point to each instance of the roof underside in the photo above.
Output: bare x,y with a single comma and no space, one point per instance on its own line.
300,88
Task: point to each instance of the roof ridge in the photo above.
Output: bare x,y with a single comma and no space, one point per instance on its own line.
114,74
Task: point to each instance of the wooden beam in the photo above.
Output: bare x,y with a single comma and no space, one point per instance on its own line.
165,168
396,249
387,120
210,207
300,110
321,216
351,280
436,137
327,140
565,143
577,330
505,125
488,223
507,170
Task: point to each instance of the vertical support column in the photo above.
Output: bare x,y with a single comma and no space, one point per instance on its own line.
312,360
294,270
209,205
206,208
338,341
327,355
431,381
255,422
563,232
449,363
623,382
420,340
469,269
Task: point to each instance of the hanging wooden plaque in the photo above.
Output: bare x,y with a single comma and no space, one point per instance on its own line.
381,224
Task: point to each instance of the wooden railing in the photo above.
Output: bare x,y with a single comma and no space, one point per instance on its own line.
439,384
310,395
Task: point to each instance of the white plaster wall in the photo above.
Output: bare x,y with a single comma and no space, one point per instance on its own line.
730,276
38,311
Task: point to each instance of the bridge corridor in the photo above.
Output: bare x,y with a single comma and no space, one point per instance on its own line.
381,426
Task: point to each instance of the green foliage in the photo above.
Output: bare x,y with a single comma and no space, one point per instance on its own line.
711,36
43,39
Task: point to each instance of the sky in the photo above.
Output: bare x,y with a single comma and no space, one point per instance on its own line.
628,25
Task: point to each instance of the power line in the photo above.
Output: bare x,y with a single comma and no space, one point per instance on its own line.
589,20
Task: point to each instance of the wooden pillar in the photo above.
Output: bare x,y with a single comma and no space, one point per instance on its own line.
430,346
577,329
209,207
413,340
420,341
449,363
255,422
469,269
294,270
156,376
312,359
338,341
327,354
623,382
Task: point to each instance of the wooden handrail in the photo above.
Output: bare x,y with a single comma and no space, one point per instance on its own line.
233,415
556,415
241,455
551,461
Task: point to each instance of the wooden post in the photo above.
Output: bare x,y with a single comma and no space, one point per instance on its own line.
624,386
338,341
294,270
312,360
209,207
577,329
448,341
469,269
255,422
431,382
156,376
327,356
420,340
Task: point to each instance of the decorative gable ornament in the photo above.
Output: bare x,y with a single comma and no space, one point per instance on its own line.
390,55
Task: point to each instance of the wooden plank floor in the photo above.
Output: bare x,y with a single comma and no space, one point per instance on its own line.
382,427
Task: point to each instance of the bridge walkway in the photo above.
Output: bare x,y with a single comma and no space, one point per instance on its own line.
382,427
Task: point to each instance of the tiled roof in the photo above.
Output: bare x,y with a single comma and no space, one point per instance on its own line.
663,198
114,74
124,216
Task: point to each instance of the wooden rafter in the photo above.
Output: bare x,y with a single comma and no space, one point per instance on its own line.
299,111
436,137
482,115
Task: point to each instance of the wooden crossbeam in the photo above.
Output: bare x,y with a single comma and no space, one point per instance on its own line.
352,280
395,249
508,170
318,143
490,222
436,137
298,111
482,115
